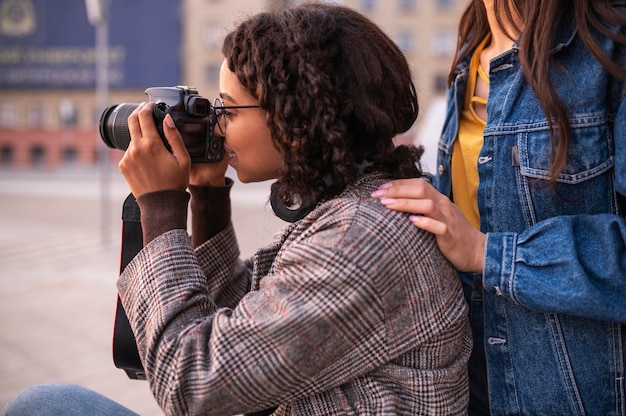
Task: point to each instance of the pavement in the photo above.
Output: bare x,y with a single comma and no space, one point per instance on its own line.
59,260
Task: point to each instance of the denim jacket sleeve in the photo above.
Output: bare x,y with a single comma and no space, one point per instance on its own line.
580,269
567,264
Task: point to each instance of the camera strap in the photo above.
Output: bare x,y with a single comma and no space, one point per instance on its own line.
125,354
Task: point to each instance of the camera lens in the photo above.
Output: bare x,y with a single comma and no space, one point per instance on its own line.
114,125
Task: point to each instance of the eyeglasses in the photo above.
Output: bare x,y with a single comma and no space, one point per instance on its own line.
221,111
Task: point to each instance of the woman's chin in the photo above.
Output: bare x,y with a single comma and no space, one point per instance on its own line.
243,176
248,177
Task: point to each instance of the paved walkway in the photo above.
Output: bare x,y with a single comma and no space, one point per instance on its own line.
59,258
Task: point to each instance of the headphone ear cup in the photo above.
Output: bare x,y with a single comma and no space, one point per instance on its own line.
286,213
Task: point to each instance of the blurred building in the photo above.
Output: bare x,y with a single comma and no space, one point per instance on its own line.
49,109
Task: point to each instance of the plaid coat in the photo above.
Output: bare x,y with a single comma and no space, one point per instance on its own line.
351,311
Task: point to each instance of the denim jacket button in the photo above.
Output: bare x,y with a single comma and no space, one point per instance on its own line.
441,170
496,341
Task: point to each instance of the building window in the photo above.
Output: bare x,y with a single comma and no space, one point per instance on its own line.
68,113
445,5
70,155
367,5
37,155
8,116
407,5
212,73
405,41
440,83
213,35
444,42
36,117
6,155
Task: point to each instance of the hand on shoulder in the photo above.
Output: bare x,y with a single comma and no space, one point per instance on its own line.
462,244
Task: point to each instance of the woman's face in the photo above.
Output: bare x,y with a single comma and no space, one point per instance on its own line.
248,143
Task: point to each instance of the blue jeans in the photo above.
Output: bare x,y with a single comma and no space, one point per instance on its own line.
62,399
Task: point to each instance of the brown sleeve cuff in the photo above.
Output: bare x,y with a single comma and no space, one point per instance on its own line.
162,211
210,211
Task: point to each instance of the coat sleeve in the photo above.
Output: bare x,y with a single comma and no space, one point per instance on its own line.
289,339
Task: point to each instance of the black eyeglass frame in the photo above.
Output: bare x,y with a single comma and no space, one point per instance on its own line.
220,111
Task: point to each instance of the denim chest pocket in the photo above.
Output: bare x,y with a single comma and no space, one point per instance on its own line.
585,186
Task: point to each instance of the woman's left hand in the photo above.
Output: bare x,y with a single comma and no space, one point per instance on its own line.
209,174
461,243
147,165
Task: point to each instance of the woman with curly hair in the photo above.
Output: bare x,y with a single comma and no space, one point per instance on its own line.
351,310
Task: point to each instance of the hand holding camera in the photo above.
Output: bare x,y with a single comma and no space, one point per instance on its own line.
148,165
175,119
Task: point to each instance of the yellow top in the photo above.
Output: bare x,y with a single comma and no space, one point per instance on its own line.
468,144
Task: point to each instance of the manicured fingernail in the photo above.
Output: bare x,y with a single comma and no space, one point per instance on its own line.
388,201
168,120
385,185
378,193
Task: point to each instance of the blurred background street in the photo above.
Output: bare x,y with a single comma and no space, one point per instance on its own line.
59,260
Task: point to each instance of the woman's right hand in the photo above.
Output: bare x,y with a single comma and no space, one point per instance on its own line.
147,165
461,243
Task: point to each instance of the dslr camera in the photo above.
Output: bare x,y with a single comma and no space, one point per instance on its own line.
193,116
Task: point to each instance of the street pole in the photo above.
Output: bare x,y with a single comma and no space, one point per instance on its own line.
97,12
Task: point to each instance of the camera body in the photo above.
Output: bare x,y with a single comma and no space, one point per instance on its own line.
192,114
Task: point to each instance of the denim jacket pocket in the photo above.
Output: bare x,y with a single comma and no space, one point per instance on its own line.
585,186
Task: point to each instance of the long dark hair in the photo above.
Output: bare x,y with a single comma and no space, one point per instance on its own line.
336,89
538,37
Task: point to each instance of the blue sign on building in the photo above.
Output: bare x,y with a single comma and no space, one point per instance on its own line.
50,44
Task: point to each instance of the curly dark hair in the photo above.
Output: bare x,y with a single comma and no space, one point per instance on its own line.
336,89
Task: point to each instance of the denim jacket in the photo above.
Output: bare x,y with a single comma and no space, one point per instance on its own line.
553,287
